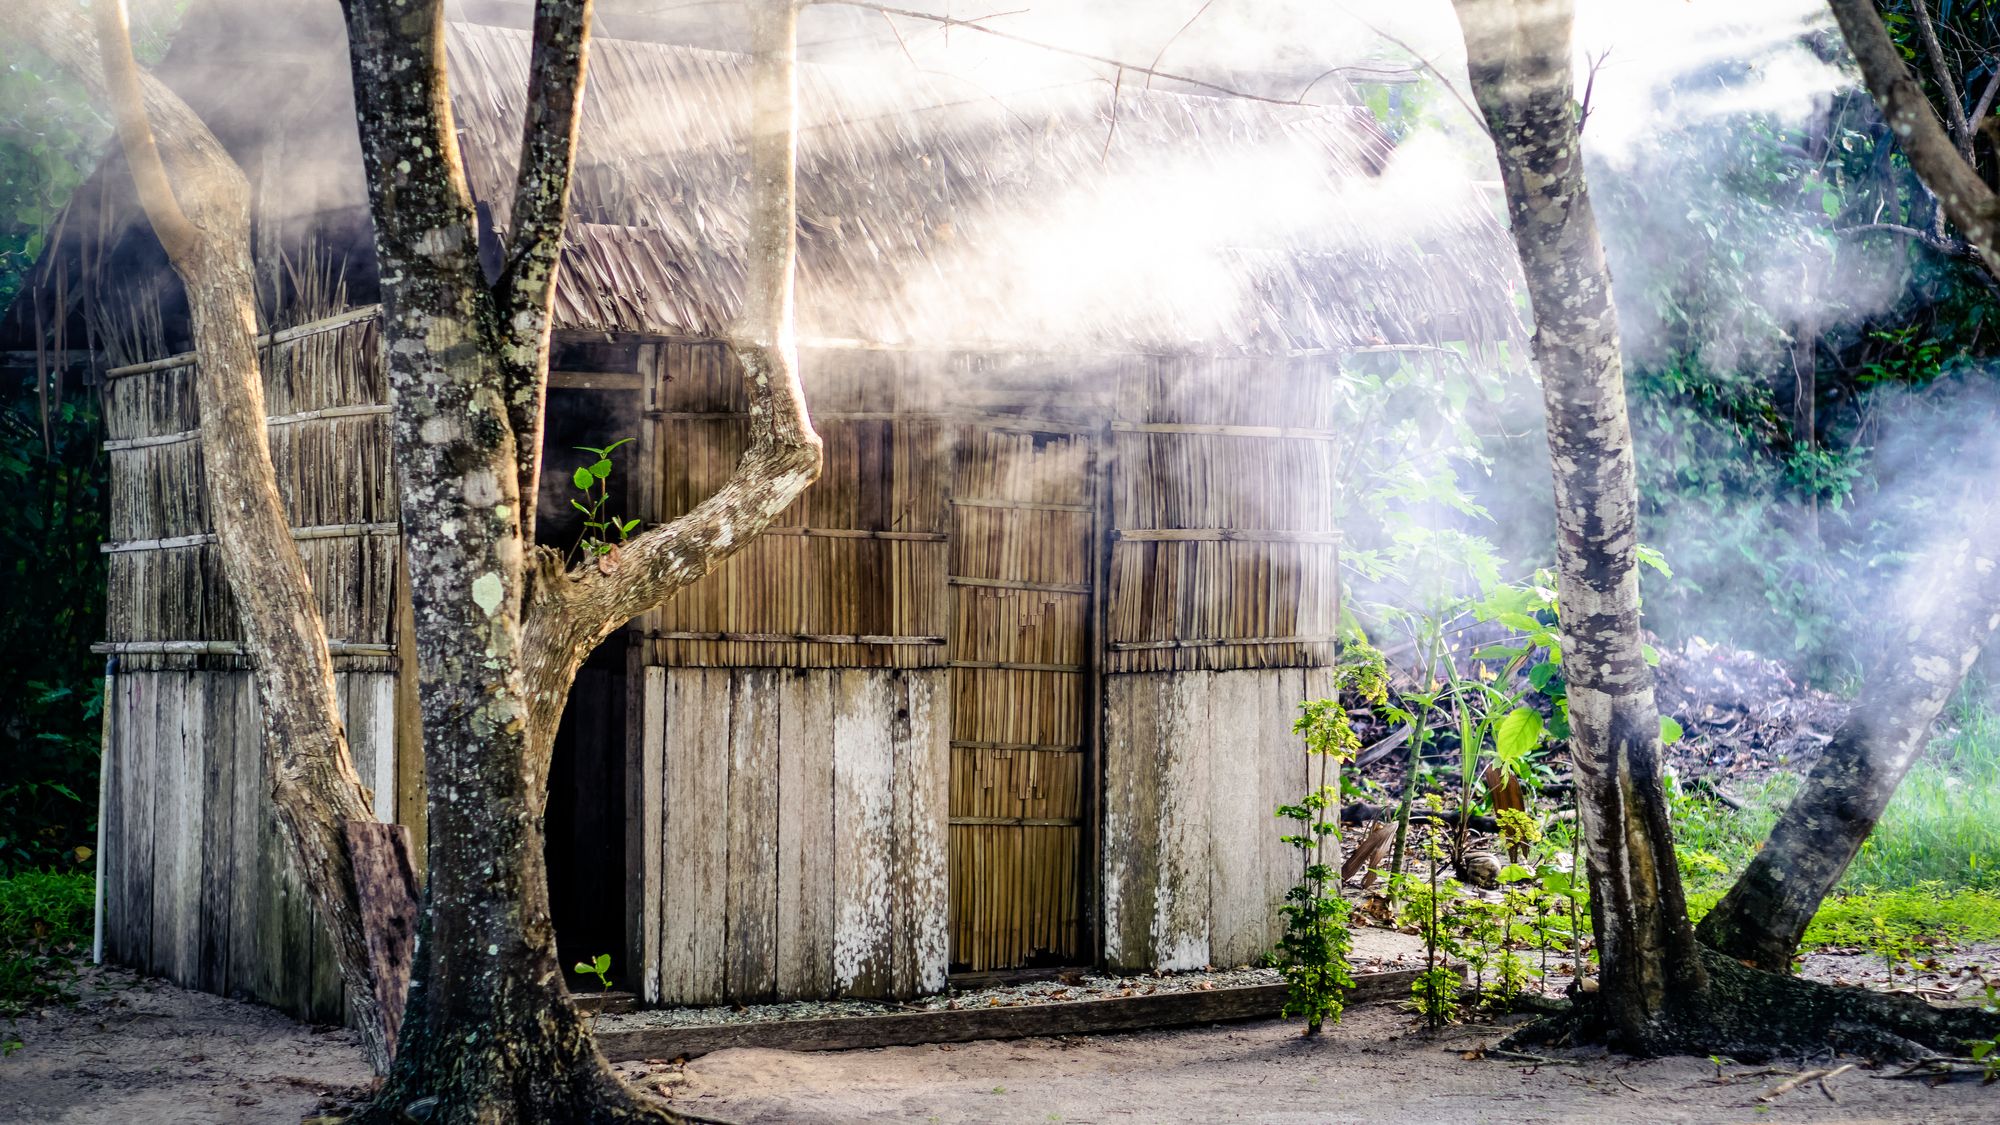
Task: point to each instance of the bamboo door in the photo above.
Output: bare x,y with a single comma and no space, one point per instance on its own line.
1021,534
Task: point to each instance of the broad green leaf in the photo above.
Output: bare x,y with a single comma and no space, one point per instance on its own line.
1519,733
601,470
583,478
1670,731
1651,654
1541,674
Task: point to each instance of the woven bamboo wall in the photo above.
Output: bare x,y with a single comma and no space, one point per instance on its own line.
1022,570
330,442
853,574
198,884
1224,552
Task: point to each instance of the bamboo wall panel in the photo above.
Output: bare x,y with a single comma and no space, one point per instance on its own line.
331,447
853,573
1224,548
1023,564
1304,392
1194,764
198,880
801,848
1165,599
1193,480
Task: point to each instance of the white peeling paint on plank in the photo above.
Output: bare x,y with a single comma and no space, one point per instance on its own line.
864,785
1181,902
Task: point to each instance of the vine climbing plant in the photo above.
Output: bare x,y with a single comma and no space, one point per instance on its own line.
1313,952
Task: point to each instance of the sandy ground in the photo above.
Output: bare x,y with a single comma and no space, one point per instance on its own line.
138,1052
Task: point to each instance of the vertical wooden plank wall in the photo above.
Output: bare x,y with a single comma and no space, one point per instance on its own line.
802,833
199,887
1194,765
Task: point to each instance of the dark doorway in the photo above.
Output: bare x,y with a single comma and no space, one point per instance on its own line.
585,821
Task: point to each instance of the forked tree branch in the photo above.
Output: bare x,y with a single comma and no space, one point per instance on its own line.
1965,198
557,65
199,202
572,611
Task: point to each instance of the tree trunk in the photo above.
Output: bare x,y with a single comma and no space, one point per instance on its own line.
1947,607
199,204
491,1034
1518,54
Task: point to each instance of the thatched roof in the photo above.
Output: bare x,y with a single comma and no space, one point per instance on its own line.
934,213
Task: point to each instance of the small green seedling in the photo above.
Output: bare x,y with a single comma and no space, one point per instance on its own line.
597,967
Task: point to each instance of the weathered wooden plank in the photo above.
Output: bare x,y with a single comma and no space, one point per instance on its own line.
1181,903
805,833
1130,860
218,831
1282,781
249,968
864,796
1239,732
920,898
371,733
176,828
752,885
1076,1017
644,804
694,836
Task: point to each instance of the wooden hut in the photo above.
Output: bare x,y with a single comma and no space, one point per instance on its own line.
1011,686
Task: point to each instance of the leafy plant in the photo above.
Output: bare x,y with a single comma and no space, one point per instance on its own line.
598,967
1430,906
602,531
1987,1051
1317,939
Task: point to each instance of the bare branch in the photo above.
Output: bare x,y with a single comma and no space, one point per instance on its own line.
135,134
1471,111
556,67
1961,131
1589,88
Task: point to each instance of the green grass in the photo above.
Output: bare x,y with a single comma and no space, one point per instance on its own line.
45,920
1930,868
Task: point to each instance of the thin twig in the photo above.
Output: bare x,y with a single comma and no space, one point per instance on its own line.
1134,68
1590,87
1423,63
1176,35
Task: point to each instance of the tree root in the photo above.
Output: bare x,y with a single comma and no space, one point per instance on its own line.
1754,1016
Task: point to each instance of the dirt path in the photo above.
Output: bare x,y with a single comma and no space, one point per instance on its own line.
140,1052
136,1053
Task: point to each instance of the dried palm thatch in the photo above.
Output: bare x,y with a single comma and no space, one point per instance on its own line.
933,214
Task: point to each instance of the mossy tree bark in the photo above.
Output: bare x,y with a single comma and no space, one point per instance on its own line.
1946,609
1659,991
198,203
490,1035
1518,54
